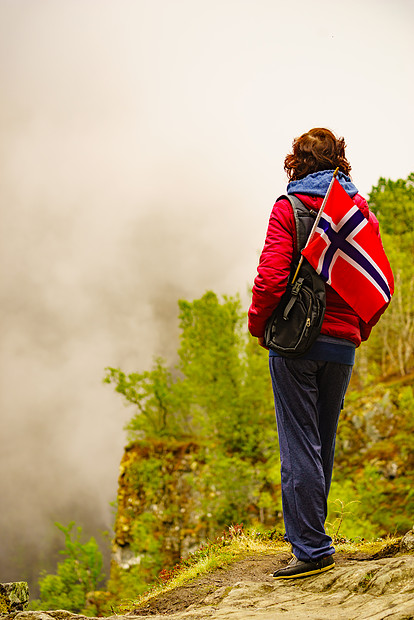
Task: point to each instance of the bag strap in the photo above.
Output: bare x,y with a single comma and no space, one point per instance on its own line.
304,219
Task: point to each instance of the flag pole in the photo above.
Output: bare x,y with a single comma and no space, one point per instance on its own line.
318,217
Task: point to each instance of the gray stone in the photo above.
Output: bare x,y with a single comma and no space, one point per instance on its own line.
13,596
407,541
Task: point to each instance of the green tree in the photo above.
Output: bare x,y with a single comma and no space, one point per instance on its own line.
225,379
154,394
390,348
77,576
393,204
374,461
207,429
219,391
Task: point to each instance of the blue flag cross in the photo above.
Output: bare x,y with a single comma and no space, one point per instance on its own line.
339,241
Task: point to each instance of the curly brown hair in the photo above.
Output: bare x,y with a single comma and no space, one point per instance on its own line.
318,149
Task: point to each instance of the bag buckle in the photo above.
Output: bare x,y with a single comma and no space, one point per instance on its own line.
295,292
297,286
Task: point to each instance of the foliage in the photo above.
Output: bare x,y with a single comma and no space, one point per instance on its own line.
220,396
219,384
391,346
151,391
393,204
374,462
203,449
77,576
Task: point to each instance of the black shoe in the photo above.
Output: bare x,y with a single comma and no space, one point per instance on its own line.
296,568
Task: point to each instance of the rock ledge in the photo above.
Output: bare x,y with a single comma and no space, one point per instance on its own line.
374,589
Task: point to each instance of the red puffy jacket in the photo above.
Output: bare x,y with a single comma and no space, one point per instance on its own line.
270,283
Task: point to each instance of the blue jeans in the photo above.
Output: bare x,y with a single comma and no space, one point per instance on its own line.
308,400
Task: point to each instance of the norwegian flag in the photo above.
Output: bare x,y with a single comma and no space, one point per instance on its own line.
348,254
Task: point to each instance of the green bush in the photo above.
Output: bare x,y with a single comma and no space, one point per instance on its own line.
77,576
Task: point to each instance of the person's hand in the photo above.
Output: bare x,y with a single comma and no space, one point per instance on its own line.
261,341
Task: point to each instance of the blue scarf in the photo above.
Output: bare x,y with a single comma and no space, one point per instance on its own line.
317,183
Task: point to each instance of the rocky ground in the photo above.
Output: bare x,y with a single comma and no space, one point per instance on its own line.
360,587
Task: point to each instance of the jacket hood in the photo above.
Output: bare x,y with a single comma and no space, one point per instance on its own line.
317,183
314,202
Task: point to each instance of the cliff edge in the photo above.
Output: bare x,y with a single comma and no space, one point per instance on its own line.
360,587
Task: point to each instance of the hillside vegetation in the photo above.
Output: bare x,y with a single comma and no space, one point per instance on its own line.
203,451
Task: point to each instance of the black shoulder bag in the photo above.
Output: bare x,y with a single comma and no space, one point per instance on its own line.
296,322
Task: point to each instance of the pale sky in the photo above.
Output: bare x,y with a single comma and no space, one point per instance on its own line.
142,147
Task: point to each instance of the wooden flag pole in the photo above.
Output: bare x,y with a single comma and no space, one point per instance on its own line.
318,217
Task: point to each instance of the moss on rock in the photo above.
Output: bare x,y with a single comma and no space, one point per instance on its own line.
13,596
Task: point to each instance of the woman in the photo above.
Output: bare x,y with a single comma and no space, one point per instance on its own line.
309,390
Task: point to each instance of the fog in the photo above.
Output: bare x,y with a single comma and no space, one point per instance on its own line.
141,150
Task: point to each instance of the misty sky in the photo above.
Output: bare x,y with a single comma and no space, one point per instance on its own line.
142,147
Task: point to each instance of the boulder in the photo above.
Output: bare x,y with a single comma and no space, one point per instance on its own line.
407,541
13,596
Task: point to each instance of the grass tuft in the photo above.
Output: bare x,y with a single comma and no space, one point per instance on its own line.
233,544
